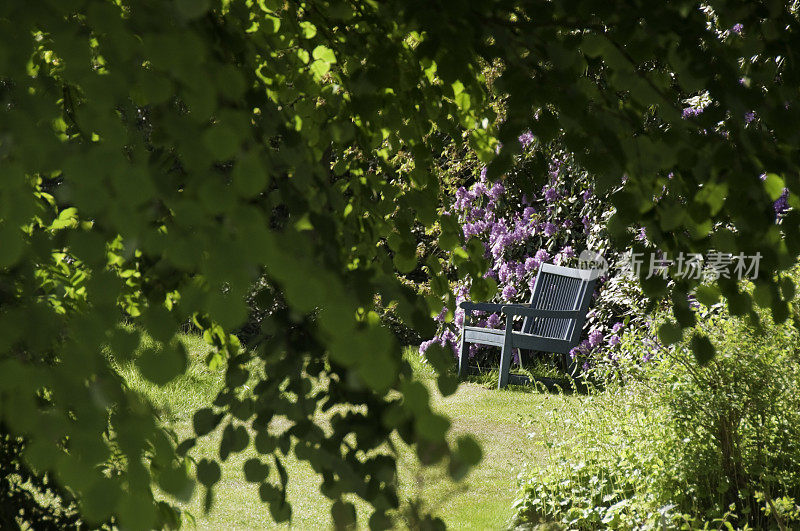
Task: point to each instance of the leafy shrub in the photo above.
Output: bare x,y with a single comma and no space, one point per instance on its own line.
737,419
673,443
593,475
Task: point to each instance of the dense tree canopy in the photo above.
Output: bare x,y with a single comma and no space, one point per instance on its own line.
158,157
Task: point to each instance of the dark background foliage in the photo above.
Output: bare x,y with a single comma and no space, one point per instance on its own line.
30,499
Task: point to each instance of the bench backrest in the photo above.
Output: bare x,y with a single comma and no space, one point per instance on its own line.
560,288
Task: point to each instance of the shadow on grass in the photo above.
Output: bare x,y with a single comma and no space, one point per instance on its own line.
532,379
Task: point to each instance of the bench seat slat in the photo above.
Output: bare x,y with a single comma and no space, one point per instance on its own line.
484,336
545,344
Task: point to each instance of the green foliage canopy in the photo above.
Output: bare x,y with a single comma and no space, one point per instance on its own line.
157,157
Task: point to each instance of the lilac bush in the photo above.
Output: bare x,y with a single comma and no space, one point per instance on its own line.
520,231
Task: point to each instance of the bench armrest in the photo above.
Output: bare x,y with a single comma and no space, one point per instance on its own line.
487,306
517,309
481,306
490,307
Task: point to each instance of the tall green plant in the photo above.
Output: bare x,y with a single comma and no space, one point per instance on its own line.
735,423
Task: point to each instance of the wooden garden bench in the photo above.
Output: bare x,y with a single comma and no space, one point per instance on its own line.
553,318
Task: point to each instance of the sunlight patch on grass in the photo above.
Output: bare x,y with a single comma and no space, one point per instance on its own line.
181,397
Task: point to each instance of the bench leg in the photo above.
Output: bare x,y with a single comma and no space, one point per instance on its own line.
505,356
463,357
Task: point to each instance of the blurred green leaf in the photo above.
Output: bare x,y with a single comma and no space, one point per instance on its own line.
702,348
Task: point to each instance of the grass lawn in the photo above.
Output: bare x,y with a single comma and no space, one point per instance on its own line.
500,420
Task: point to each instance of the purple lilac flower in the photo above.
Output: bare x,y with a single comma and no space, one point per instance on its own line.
509,291
595,337
479,189
497,249
617,327
574,353
763,176
737,28
496,191
526,139
642,234
497,239
462,290
749,117
520,270
463,198
550,194
531,264
549,229
587,194
689,112
499,243
440,318
473,349
781,204
527,212
504,273
493,321
587,224
521,232
459,318
541,256
613,341
483,173
567,223
425,345
448,336
478,227
567,252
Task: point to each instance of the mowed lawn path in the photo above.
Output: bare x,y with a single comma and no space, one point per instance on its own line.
511,425
499,420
